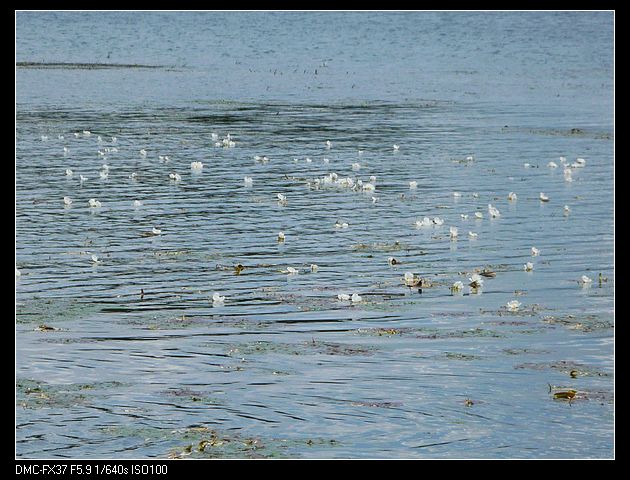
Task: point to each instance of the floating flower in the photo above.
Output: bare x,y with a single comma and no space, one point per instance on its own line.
493,211
475,281
513,305
552,165
175,177
543,197
438,221
156,231
453,231
356,298
143,152
392,261
69,172
281,236
535,252
528,267
464,216
339,224
343,297
566,210
217,299
413,184
396,147
291,271
457,286
314,268
94,203
137,203
356,166
196,165
425,222
95,259
472,235
67,200
282,199
478,215
328,144
512,196
585,281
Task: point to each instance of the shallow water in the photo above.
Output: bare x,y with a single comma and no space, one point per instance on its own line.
283,368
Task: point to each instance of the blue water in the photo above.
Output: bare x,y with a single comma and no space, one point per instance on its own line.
283,361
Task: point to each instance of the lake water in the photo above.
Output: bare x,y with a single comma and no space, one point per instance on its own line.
130,358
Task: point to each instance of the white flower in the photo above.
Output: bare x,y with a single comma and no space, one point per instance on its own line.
396,147
292,271
314,268
133,175
410,279
580,161
143,152
478,215
94,203
95,259
86,133
513,305
356,166
217,299
566,209
82,178
282,198
67,200
392,261
328,144
137,203
472,235
475,280
493,211
585,280
457,194
528,267
69,172
453,231
535,252
563,160
356,298
457,286
281,236
512,196
464,216
425,222
552,165
527,165
196,165
104,174
248,181
343,297
438,220
156,231
413,184
175,176
543,197
339,224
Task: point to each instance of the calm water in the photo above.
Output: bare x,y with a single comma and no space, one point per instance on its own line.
283,368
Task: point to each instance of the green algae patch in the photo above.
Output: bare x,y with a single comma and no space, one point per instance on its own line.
201,442
460,356
435,334
37,394
573,369
43,311
582,323
311,347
